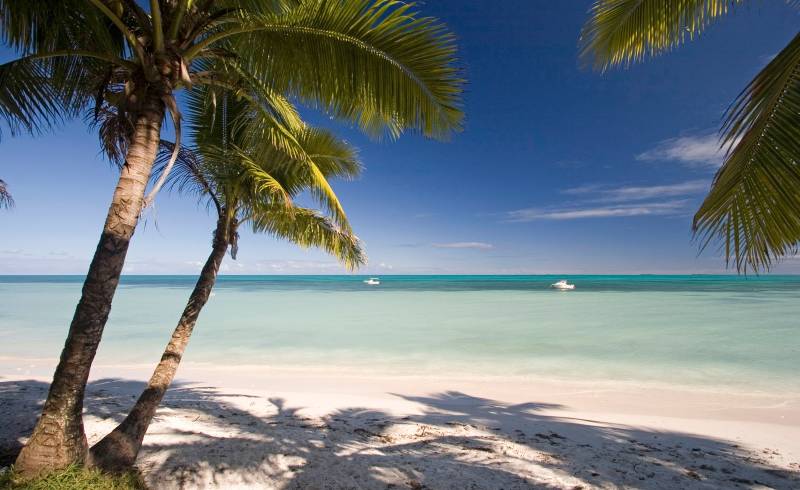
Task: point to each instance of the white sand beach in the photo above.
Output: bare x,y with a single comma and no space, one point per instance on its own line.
254,427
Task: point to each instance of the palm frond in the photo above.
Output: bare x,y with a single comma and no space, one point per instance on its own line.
263,117
754,204
38,26
28,101
221,125
114,130
6,201
256,180
376,63
621,32
66,52
260,183
333,156
324,157
308,228
189,175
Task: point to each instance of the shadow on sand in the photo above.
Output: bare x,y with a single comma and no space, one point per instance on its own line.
203,437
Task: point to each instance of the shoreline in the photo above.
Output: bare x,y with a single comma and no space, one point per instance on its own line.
42,367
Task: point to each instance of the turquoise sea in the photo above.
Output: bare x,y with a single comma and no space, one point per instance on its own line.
710,331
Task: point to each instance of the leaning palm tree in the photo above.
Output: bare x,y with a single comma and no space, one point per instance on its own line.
374,63
753,206
6,201
254,187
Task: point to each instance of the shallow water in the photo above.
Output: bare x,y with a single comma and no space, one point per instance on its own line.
710,331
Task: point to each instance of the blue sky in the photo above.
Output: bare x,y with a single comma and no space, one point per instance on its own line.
559,170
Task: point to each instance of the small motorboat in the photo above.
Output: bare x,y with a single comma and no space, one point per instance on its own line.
372,281
562,285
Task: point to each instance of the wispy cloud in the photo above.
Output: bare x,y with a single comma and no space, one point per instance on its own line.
610,211
605,193
472,245
691,151
608,201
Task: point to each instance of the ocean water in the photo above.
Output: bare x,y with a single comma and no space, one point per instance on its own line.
708,331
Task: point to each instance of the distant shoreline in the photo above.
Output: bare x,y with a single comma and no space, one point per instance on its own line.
365,274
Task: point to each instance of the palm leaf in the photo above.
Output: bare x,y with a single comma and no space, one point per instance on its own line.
325,157
262,116
374,62
260,183
302,157
38,26
621,32
189,175
754,204
333,156
67,50
308,228
28,102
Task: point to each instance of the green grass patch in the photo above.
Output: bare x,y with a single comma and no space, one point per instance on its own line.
74,478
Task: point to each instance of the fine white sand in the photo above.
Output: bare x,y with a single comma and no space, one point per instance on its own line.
256,427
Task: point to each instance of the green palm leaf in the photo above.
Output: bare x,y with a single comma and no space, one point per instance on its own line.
754,204
334,157
308,228
261,184
302,157
374,62
621,32
67,51
753,208
28,102
269,120
39,26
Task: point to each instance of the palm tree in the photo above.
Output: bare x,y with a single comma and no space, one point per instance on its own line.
243,187
753,206
375,63
6,201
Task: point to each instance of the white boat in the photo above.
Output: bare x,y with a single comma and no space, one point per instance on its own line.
372,281
562,285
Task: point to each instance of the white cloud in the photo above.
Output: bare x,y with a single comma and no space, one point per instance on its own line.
691,151
603,193
606,201
473,245
610,211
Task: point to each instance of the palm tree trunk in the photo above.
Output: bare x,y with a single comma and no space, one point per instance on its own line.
58,439
118,450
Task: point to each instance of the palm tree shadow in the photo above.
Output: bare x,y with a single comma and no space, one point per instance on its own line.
206,438
643,458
